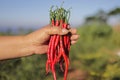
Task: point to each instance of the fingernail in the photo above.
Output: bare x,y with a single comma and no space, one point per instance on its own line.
64,30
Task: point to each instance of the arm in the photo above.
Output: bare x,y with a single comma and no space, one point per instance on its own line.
14,46
33,43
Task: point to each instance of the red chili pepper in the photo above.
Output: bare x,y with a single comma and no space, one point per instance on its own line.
57,23
59,46
65,58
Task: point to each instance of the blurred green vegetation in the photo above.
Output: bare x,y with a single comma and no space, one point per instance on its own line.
96,55
98,51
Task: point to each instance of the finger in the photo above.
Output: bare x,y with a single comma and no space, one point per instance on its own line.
73,42
74,37
73,31
56,30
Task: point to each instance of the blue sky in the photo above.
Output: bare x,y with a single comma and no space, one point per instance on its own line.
35,13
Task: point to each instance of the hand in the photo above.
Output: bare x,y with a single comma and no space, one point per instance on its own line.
33,43
39,39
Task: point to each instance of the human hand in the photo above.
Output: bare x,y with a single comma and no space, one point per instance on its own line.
39,39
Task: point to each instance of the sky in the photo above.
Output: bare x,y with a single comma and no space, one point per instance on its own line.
35,13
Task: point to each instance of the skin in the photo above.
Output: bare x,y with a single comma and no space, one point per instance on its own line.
33,43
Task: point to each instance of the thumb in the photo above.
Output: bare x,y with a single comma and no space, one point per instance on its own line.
56,30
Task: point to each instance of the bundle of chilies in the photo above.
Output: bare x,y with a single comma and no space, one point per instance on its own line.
59,45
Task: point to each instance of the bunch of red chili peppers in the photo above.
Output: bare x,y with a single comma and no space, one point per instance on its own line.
59,45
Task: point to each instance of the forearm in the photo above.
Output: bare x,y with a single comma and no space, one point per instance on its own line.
14,46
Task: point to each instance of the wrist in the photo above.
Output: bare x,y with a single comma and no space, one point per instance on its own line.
27,48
